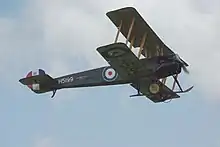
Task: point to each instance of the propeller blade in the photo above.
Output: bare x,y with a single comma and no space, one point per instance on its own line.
183,64
185,69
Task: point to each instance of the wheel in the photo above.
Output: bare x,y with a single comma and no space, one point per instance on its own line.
154,88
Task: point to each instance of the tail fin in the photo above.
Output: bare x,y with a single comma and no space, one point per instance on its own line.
39,81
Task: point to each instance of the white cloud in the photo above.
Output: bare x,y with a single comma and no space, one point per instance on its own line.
58,35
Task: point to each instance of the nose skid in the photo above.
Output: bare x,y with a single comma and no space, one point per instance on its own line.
181,90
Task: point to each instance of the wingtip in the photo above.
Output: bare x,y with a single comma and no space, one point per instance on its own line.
121,9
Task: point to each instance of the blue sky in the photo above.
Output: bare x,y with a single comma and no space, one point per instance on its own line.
61,37
10,7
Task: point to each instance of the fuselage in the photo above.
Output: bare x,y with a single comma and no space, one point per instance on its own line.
155,67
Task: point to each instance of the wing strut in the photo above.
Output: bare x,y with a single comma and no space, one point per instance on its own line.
132,42
130,30
118,32
142,45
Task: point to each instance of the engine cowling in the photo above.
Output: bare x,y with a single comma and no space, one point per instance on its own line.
35,86
167,69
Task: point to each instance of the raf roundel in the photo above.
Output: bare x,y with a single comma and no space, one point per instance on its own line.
109,74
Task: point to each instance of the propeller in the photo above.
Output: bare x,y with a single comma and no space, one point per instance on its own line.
184,67
183,64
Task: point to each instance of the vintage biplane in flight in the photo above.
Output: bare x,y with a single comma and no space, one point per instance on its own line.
147,74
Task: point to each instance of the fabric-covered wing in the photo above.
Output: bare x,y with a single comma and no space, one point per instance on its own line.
153,43
121,58
156,94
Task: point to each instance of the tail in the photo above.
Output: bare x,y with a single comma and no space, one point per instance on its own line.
39,82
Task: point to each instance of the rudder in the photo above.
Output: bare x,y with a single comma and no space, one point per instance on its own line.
38,81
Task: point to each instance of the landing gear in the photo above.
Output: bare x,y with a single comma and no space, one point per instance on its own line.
138,94
54,92
138,91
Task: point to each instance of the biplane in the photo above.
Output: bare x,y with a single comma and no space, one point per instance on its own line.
147,74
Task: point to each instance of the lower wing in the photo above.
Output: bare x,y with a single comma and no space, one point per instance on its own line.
154,90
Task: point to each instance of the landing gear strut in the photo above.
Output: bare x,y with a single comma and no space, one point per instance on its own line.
54,92
138,91
181,90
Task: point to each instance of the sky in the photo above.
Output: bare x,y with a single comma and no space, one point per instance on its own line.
61,37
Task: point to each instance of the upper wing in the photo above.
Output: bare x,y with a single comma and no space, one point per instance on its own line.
121,58
155,94
153,43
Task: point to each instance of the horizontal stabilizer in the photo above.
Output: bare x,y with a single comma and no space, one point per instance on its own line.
39,83
39,79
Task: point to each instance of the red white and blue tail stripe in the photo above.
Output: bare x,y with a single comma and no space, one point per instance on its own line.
35,86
